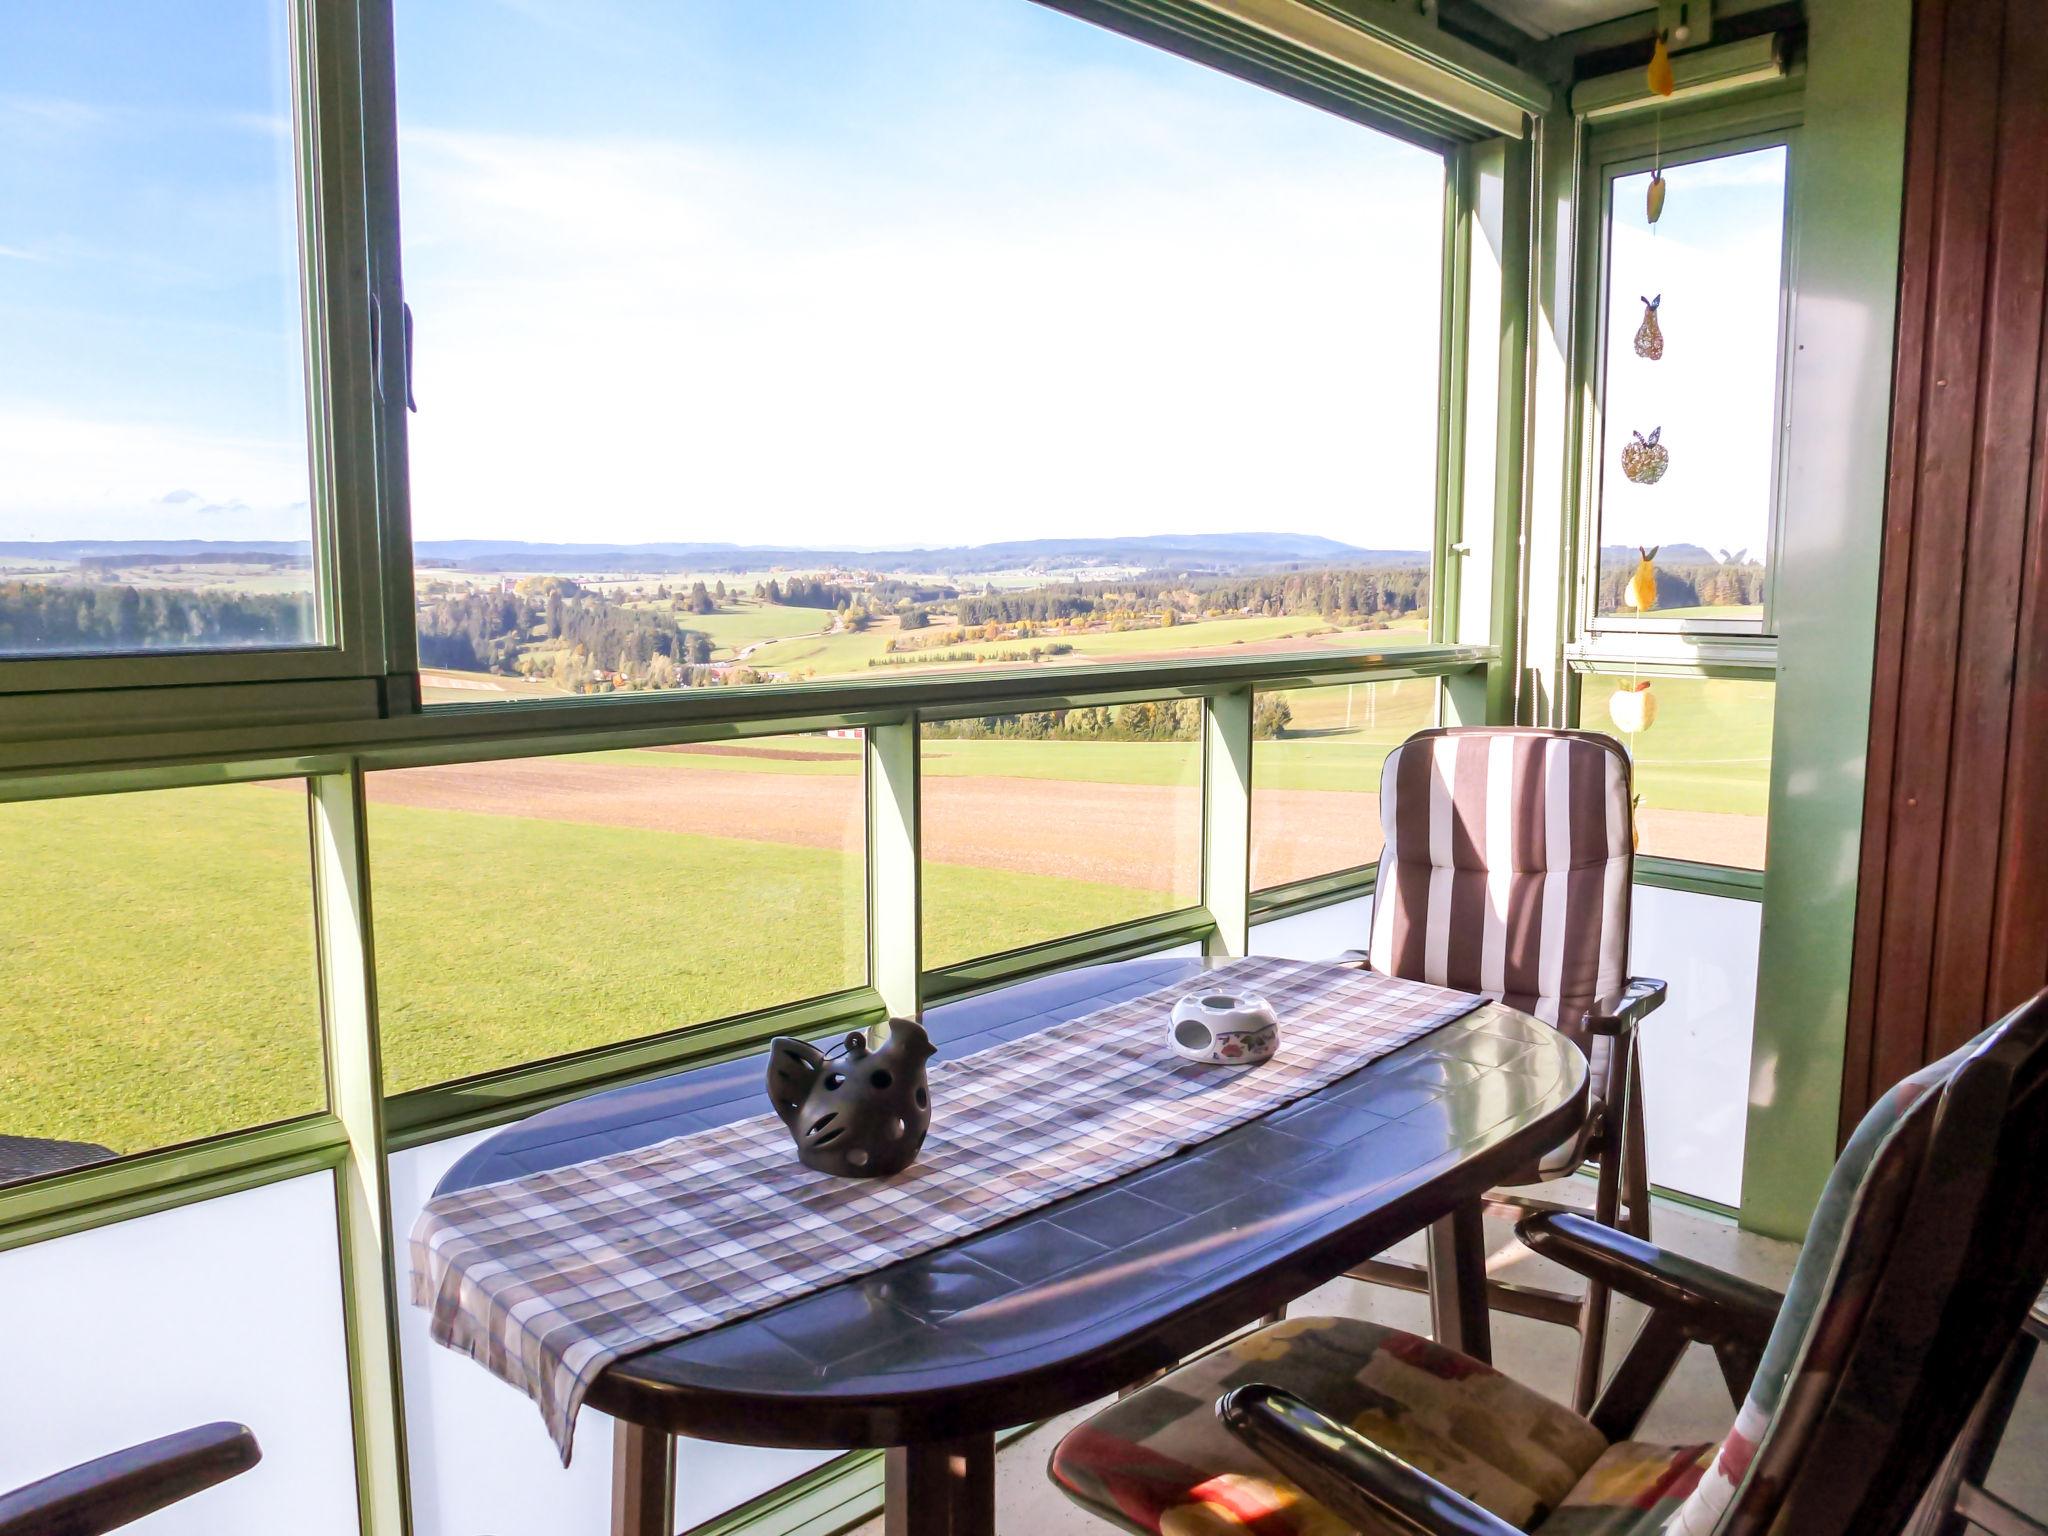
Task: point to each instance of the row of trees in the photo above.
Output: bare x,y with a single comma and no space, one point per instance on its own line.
1149,720
1339,592
38,616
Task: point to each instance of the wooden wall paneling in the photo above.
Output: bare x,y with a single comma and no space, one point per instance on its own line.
1916,245
1953,905
2004,452
2019,948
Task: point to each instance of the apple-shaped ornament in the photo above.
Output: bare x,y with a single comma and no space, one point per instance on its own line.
1632,708
1644,459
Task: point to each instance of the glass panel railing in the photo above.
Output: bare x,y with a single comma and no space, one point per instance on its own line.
157,976
1316,756
1054,822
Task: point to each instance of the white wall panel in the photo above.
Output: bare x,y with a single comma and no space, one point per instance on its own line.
1696,1047
228,1309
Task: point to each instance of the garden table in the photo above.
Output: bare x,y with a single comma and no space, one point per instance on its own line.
932,1356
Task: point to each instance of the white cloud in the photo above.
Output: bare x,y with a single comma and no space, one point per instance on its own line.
644,339
71,477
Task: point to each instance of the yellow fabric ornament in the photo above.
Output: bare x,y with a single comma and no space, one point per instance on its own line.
1655,201
1642,587
1660,77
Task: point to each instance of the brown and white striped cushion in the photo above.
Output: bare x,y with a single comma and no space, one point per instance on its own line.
1507,866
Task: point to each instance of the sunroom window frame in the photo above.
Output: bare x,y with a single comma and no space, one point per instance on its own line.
1613,152
349,555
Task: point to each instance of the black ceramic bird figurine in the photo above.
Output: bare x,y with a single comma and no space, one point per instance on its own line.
862,1114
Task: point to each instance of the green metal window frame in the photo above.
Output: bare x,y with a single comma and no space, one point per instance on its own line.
1705,133
333,713
1590,646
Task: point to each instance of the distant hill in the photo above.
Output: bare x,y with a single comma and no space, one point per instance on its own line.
1194,551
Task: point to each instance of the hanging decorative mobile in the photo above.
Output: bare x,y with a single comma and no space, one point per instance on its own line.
1661,82
1645,459
1650,335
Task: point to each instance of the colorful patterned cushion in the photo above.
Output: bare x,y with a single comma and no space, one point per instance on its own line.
1160,1463
1632,1490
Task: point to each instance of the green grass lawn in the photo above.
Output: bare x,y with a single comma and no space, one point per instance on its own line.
157,974
743,622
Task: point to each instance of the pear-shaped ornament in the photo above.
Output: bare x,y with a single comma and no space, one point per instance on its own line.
1653,204
1650,335
1644,459
1659,77
1642,586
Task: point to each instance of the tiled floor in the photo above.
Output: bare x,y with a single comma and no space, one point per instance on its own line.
1694,1406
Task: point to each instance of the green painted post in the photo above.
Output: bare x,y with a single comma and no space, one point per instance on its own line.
1227,819
895,901
369,1290
1483,586
1848,185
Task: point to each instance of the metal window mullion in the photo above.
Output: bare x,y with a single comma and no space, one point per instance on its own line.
368,1245
1227,819
895,898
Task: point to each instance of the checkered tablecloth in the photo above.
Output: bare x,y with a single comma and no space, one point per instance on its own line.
548,1278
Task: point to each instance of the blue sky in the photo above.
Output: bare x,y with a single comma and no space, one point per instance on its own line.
823,271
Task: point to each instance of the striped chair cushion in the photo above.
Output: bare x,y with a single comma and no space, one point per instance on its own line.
1507,866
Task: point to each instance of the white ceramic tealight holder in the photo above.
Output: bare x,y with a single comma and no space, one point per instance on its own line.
1224,1029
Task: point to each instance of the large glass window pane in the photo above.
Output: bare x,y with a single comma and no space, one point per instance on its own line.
1713,266
897,339
538,906
1702,767
157,975
152,380
1316,756
1056,822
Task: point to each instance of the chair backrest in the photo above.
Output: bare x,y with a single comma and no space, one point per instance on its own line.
1928,1246
1508,859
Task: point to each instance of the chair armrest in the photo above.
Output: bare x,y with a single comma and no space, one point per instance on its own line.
1710,1305
1640,997
112,1490
1346,1473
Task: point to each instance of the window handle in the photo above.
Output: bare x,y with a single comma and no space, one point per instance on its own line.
405,311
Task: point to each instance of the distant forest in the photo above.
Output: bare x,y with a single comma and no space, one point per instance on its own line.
1344,593
491,631
37,616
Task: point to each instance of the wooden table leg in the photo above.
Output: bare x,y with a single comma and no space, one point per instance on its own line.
943,1488
643,1481
1457,1283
